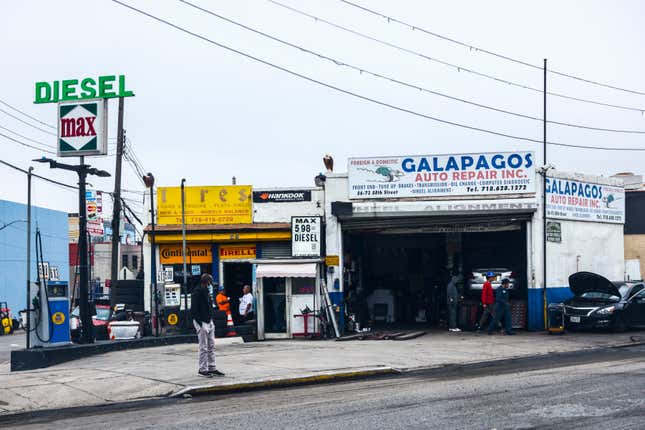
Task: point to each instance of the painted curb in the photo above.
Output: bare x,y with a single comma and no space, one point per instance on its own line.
286,382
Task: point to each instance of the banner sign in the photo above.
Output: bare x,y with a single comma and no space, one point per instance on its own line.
237,252
441,175
584,201
306,236
281,196
230,204
94,208
82,128
195,254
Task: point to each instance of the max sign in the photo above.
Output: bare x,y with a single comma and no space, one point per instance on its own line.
82,128
441,175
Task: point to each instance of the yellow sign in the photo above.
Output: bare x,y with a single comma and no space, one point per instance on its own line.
332,260
196,253
173,319
237,252
230,204
58,318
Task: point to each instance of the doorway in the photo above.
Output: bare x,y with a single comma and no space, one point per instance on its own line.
236,276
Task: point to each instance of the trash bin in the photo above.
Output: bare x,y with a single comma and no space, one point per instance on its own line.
555,318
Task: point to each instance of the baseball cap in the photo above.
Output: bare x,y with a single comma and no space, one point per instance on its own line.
490,275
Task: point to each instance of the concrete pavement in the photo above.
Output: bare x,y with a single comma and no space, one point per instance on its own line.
163,371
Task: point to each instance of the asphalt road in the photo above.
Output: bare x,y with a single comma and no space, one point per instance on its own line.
7,343
598,389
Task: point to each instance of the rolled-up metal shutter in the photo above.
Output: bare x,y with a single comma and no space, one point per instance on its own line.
275,249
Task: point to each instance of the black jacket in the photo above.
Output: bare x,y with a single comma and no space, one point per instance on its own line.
201,306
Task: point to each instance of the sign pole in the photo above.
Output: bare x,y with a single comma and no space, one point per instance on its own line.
183,253
544,202
116,210
28,257
87,335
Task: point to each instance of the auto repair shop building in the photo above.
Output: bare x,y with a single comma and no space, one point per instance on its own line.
397,227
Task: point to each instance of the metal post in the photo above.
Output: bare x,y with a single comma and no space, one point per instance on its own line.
544,202
153,262
116,211
28,313
87,335
183,251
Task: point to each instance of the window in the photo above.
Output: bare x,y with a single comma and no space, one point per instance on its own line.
124,260
135,262
302,285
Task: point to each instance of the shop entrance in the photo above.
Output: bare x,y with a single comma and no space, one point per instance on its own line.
397,276
236,276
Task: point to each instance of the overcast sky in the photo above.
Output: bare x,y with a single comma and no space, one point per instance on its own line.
206,114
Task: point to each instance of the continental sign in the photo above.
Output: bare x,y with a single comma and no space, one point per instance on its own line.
230,204
237,252
195,254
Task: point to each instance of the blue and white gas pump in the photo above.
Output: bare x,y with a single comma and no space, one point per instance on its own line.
49,314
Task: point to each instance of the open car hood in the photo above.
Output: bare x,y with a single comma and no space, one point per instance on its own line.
585,282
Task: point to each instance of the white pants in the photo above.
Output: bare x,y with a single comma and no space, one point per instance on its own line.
206,347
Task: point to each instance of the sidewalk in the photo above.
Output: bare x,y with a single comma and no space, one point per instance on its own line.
163,371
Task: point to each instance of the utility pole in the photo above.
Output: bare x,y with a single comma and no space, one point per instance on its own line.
149,180
87,335
544,201
28,256
116,210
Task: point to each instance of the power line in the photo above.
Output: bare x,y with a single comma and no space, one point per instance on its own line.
27,144
28,138
27,123
456,67
488,52
62,184
359,96
27,115
362,71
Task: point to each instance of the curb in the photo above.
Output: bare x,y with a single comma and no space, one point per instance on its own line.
287,382
374,373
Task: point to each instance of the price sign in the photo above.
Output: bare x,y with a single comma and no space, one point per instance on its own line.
306,235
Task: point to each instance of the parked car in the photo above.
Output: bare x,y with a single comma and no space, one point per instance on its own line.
478,277
99,320
602,304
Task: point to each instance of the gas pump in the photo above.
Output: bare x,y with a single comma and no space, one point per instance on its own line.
49,314
49,308
171,302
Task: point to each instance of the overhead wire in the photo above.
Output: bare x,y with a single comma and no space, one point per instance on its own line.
366,71
28,138
27,144
486,51
356,95
27,123
26,114
457,67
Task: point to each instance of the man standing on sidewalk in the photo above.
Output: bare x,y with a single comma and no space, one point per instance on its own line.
502,309
452,295
201,310
488,301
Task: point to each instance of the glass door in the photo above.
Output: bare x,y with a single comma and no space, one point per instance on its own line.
274,294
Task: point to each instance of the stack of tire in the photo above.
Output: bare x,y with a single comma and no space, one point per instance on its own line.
245,331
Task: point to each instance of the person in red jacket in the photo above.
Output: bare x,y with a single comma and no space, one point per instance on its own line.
488,300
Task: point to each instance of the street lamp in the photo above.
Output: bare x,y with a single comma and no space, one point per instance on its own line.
149,181
87,335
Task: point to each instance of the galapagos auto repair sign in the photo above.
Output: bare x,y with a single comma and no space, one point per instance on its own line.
441,175
584,201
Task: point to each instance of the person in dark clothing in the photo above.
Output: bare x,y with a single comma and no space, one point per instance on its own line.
452,296
502,309
201,310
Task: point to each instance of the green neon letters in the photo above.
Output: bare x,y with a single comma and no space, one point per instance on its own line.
104,87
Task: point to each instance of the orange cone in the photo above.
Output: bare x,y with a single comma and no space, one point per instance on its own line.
230,326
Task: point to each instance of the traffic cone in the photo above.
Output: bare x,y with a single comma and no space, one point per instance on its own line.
230,326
